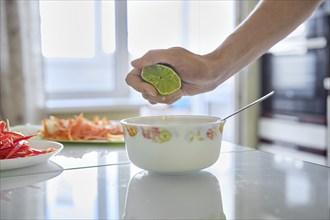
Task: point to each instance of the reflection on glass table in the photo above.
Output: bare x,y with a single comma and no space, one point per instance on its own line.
259,185
42,168
11,183
191,196
76,156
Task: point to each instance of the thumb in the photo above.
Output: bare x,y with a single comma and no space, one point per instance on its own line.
153,57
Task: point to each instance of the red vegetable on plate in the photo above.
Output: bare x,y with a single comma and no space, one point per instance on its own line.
14,144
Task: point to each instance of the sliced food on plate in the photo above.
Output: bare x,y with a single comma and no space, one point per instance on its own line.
15,145
80,128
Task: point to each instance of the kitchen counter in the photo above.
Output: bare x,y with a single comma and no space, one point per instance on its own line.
99,182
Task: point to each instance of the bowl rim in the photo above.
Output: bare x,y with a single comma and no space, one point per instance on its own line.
127,122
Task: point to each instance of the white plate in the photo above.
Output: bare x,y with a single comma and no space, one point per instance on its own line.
14,163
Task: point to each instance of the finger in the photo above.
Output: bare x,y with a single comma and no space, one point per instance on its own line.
152,99
175,100
152,103
134,80
147,97
169,99
155,56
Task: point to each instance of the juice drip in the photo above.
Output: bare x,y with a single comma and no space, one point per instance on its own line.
163,110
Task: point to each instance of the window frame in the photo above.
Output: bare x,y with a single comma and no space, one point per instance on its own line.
118,60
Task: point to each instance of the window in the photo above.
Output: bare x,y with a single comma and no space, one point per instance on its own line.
79,49
87,45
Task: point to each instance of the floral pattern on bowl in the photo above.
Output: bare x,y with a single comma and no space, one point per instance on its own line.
131,130
159,135
156,134
200,134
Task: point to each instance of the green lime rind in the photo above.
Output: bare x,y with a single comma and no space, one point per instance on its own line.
162,77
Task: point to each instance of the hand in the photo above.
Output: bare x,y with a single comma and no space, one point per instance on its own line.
270,22
194,71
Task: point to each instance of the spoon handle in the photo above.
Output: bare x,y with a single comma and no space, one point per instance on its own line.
249,105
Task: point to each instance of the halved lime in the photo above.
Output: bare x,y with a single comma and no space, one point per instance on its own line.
162,77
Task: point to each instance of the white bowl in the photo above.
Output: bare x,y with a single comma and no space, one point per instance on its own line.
173,144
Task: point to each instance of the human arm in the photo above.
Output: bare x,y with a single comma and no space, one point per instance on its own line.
270,21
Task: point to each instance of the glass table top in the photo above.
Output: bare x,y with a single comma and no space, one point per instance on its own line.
243,184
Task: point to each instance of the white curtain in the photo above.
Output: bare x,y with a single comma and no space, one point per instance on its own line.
21,79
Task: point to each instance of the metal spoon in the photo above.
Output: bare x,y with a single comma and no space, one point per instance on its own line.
249,105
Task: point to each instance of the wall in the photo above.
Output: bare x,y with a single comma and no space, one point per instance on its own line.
247,90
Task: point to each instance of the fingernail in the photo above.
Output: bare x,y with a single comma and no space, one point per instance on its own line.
151,93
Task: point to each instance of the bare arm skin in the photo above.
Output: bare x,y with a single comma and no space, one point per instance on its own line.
268,23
